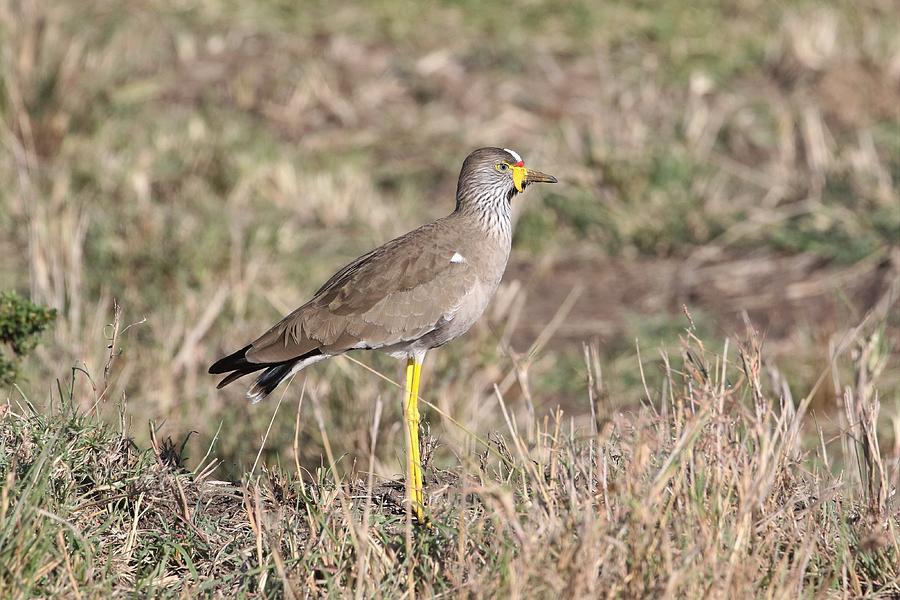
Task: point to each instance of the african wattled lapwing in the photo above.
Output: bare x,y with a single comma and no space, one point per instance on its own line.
414,293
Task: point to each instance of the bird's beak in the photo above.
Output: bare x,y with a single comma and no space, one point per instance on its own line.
523,176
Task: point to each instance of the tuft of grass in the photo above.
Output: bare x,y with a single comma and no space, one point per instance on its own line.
21,323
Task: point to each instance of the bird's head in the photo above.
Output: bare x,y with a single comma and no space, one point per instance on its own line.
490,177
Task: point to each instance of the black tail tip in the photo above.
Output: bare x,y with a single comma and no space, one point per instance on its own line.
232,362
266,383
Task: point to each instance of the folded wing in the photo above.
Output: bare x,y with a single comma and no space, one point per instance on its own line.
393,294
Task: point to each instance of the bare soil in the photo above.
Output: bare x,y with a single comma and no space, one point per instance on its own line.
781,295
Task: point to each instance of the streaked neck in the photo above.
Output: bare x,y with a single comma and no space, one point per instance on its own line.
490,210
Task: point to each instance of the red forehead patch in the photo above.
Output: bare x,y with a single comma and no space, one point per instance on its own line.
521,163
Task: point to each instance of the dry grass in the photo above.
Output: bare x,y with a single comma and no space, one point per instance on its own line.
204,166
713,493
208,168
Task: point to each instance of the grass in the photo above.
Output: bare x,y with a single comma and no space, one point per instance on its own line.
712,492
178,176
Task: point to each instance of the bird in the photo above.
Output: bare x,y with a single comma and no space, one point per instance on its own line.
411,295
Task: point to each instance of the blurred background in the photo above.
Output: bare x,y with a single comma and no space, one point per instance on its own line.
208,164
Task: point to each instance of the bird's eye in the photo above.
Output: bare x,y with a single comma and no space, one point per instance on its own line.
502,166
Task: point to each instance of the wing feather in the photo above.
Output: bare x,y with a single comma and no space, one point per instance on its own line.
398,292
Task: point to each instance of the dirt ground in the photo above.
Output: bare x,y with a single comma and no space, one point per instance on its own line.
781,295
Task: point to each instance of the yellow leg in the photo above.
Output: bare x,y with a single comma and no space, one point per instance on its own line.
413,459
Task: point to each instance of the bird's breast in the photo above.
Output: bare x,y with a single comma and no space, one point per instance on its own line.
489,258
489,267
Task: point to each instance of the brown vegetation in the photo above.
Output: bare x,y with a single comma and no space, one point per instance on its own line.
176,175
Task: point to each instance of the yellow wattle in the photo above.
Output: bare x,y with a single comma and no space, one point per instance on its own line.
519,174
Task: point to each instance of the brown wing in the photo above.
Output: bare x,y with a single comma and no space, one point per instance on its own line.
398,292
